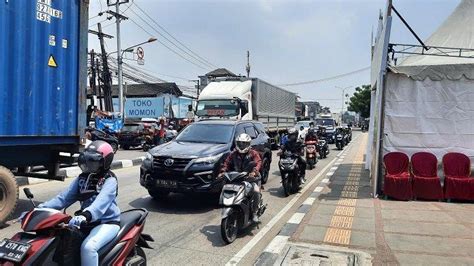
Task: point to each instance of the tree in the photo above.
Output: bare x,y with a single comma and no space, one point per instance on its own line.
360,102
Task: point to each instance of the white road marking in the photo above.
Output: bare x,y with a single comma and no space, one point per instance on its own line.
296,218
309,201
127,163
277,244
325,180
333,169
265,229
318,189
330,173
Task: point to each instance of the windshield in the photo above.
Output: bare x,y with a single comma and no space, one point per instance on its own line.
203,133
302,123
325,122
216,108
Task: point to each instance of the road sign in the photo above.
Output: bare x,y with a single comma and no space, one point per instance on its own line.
140,53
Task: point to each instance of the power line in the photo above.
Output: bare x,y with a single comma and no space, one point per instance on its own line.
162,28
325,79
169,48
171,42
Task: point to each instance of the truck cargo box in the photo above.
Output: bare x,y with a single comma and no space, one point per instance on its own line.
43,48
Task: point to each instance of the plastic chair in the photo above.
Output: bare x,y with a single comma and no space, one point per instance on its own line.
426,183
397,181
457,183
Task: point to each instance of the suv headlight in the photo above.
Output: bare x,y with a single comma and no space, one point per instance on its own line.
208,160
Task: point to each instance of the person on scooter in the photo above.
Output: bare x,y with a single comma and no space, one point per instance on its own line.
240,160
311,135
96,189
295,146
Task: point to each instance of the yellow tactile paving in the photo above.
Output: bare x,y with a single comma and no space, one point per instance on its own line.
338,236
344,211
347,202
350,188
339,231
342,221
349,194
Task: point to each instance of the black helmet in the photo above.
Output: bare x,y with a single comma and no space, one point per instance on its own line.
96,158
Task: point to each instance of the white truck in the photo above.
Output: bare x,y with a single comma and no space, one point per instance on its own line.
249,99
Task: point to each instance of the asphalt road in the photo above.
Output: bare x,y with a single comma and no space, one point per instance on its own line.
186,228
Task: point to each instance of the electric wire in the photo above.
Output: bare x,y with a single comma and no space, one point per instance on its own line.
201,62
325,79
166,46
174,38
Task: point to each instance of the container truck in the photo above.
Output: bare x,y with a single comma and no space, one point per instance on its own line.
249,99
43,75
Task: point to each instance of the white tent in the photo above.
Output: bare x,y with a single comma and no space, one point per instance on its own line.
428,102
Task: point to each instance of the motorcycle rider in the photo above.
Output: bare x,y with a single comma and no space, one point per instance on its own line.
240,160
295,146
311,135
96,189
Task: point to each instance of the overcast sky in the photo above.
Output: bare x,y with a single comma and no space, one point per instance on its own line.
289,41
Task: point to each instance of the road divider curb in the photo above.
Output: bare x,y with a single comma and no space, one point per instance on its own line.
74,171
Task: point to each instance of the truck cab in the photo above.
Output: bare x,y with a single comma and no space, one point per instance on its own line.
226,99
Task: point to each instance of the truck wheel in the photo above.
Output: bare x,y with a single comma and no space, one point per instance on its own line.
8,193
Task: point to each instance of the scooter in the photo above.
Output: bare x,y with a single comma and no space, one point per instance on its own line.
340,141
311,153
47,240
290,173
236,201
323,148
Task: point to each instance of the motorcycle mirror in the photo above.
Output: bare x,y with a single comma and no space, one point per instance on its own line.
28,193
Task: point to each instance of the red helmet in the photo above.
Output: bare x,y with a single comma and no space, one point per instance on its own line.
96,158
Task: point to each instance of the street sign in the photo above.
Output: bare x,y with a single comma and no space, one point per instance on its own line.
114,2
140,53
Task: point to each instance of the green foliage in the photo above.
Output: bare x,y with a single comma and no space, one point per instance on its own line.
360,102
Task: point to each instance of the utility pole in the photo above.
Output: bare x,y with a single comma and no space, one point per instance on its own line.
118,19
197,86
106,78
247,68
342,103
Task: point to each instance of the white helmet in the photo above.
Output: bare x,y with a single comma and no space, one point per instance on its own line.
243,143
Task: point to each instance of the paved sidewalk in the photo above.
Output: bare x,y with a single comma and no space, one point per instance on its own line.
340,223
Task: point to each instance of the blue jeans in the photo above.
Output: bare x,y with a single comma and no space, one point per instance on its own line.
100,236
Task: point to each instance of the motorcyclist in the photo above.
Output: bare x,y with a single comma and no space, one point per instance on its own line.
96,189
240,160
311,135
295,146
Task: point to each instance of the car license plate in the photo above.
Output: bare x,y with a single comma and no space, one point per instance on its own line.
13,250
166,183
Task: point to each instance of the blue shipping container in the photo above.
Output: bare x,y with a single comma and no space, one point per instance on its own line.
43,71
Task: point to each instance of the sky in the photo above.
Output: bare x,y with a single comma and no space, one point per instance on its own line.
289,41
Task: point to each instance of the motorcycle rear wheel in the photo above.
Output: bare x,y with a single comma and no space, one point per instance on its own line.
229,227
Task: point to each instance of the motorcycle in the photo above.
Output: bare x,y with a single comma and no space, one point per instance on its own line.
290,173
94,134
311,151
236,201
340,141
323,148
47,240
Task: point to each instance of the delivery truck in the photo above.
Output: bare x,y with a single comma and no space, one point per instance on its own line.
43,81
249,99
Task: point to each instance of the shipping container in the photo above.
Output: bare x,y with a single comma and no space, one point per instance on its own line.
43,79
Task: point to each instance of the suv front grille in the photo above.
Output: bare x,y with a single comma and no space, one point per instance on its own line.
178,163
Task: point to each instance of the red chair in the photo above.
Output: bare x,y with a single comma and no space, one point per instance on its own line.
457,183
397,181
426,183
